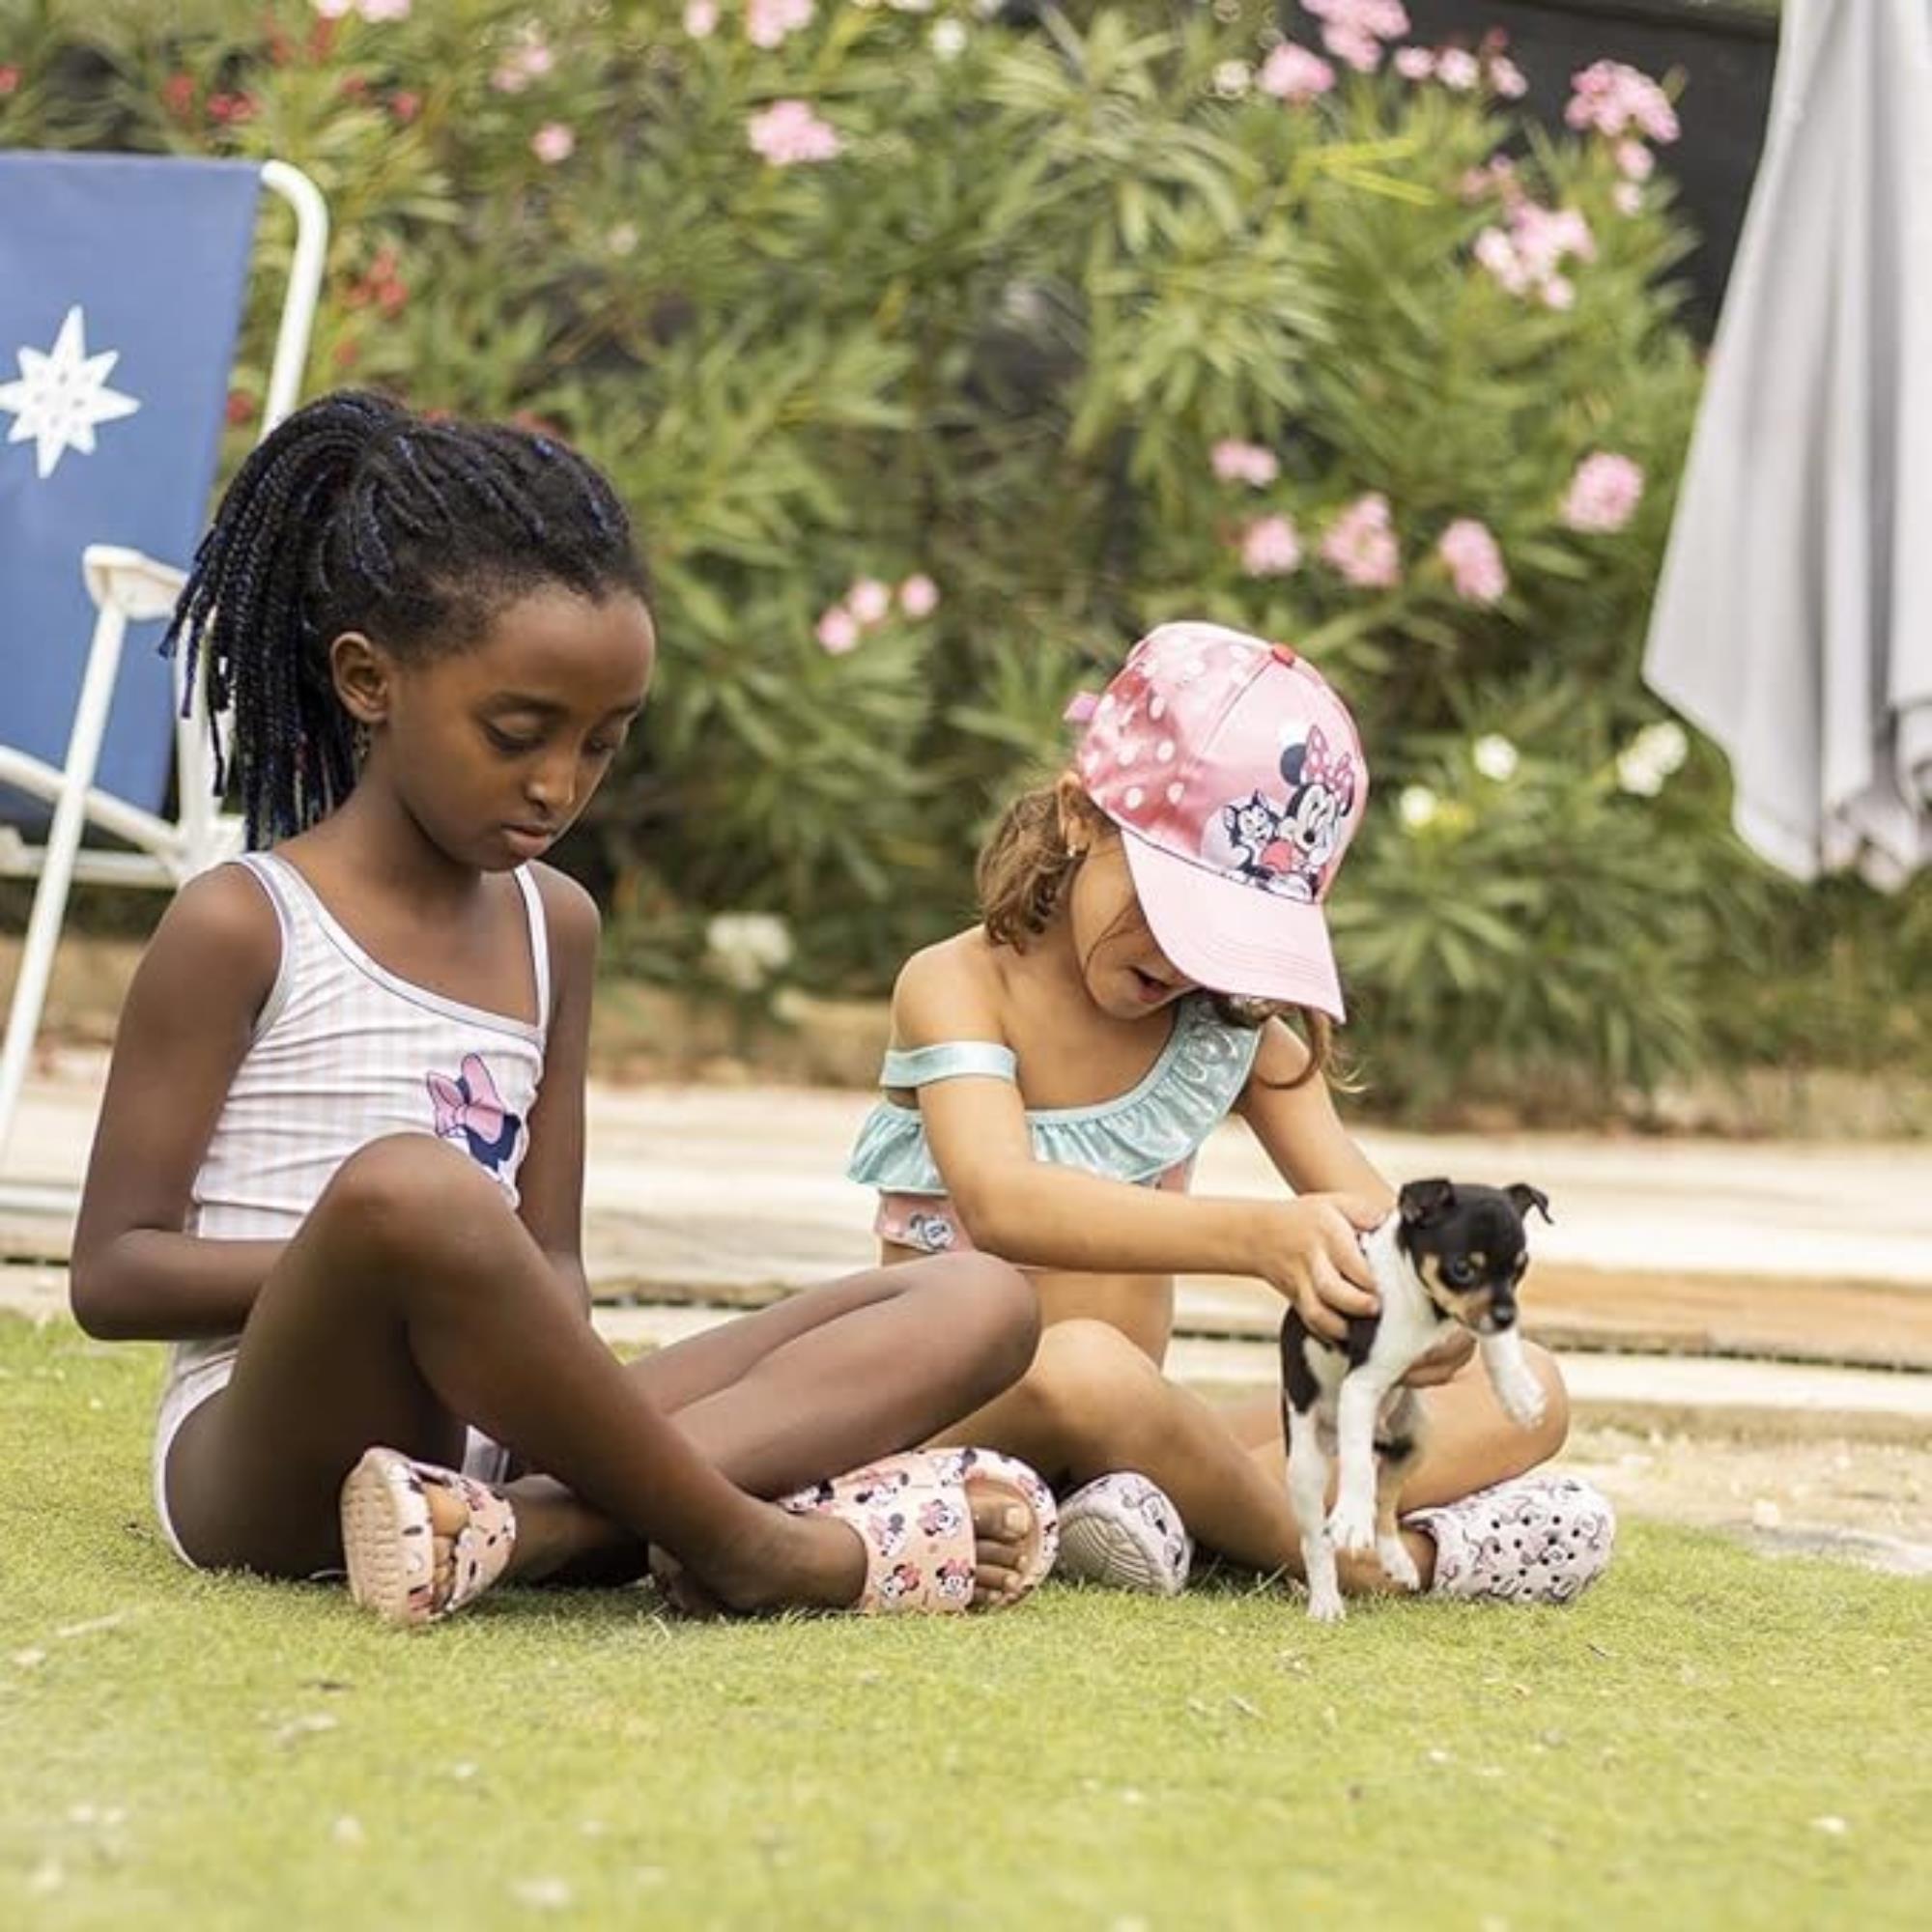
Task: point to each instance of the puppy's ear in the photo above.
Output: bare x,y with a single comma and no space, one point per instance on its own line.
1424,1201
1526,1197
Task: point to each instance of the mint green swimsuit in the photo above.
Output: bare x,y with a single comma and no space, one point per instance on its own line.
1148,1136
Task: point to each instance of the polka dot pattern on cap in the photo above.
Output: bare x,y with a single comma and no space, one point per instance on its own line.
1239,773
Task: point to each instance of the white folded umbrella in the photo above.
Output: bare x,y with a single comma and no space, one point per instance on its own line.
1793,620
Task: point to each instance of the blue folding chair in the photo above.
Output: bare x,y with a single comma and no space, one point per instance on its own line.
123,281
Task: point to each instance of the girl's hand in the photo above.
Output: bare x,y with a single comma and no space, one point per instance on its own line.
1310,1251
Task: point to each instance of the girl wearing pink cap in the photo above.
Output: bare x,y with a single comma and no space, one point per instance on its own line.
1150,924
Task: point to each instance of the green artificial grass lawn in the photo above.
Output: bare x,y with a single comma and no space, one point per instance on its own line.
206,1751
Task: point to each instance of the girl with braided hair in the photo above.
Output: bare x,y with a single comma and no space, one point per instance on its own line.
340,1158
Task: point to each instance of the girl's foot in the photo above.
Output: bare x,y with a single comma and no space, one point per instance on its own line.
1123,1532
420,1542
1540,1539
943,1530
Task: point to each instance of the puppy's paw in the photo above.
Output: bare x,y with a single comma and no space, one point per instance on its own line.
1521,1397
1398,1565
1326,1606
1351,1525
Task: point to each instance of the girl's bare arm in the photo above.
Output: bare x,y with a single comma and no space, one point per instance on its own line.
551,1181
1296,1121
1042,1215
1311,1150
184,1032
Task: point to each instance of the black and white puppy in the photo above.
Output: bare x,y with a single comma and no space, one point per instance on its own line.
1449,1255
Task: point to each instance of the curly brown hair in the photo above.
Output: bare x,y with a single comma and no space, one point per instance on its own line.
1025,869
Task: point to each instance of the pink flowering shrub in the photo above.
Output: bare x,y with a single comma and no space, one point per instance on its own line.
936,365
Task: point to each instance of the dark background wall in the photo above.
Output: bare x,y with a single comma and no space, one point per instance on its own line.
1724,53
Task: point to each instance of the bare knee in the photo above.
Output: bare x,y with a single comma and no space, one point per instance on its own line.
992,1312
1008,1304
1094,1392
407,1195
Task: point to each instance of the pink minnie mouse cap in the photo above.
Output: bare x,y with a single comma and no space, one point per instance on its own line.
1237,779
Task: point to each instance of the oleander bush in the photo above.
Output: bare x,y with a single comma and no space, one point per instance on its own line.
940,349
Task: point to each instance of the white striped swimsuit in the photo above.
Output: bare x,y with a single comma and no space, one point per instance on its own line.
344,1053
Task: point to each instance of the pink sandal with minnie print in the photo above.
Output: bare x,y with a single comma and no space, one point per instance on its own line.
914,1513
389,1540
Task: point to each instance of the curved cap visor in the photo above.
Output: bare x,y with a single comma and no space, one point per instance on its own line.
1234,938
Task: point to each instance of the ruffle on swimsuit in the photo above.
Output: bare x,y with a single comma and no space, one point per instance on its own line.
1141,1136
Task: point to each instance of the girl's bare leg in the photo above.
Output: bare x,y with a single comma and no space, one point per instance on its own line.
413,1297
1094,1403
819,1383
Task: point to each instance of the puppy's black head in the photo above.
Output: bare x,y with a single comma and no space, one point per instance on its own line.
1468,1248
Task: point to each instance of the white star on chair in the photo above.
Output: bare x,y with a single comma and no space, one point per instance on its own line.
62,394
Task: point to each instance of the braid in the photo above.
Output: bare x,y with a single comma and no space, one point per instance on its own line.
355,515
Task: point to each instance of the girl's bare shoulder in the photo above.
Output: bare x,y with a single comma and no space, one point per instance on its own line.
952,989
219,942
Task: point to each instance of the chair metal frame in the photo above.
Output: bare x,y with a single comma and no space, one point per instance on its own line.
130,587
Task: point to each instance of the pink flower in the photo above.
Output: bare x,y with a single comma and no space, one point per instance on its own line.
1414,62
1499,176
1543,236
1559,292
1271,547
869,600
529,59
1635,161
1628,198
838,631
1294,74
1604,494
1360,543
379,11
1459,70
1528,258
700,19
1244,463
1475,563
1612,98
1081,707
406,104
335,10
788,131
1354,30
1359,50
1507,79
918,596
553,143
1496,252
769,23
10,80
